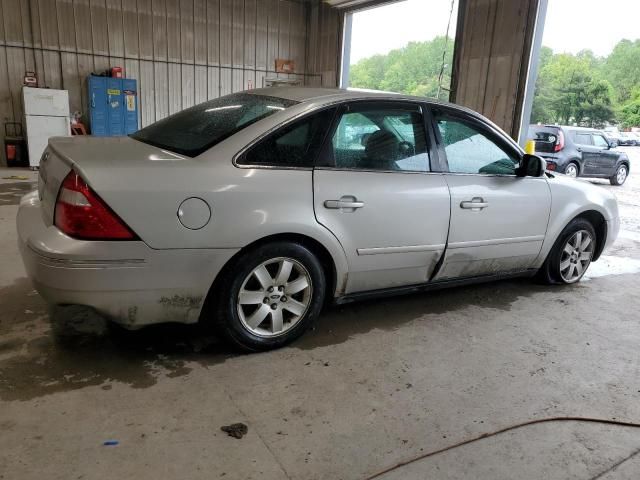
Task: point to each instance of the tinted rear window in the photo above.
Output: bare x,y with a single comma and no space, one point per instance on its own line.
544,137
543,134
196,129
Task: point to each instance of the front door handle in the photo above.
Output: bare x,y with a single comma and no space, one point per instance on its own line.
346,202
476,203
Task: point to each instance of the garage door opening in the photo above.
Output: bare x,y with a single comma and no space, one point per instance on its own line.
405,47
586,80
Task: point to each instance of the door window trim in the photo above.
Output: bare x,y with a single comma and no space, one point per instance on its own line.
358,105
588,134
488,130
276,130
594,135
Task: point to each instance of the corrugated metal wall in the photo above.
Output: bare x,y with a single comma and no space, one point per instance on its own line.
181,51
491,59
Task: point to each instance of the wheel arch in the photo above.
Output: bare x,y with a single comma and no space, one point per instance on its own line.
599,223
334,271
626,163
592,214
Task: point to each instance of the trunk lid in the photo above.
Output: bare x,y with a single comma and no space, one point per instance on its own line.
91,157
545,138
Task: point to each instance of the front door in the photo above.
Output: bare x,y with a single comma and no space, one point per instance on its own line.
590,153
378,196
498,220
606,159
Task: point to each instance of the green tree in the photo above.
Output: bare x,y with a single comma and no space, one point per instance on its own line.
623,69
583,88
542,110
569,89
630,111
413,69
368,72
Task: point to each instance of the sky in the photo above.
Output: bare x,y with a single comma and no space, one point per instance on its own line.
596,25
380,30
571,25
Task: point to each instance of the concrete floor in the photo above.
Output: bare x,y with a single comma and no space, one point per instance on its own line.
375,384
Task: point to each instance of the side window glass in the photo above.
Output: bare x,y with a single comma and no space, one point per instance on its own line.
583,138
353,131
381,139
469,150
295,145
599,141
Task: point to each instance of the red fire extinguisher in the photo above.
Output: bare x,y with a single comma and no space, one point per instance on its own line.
11,153
14,144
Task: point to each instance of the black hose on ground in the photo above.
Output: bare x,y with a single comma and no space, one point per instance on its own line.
507,429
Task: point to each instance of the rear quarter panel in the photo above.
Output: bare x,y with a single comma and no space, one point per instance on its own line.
247,204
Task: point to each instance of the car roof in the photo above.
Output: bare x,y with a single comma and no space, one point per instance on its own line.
303,94
569,128
332,95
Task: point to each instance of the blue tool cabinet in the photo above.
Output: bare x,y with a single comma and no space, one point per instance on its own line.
113,106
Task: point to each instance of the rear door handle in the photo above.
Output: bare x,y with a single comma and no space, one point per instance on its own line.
477,203
346,202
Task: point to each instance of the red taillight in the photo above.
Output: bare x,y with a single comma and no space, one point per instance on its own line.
560,143
551,166
80,213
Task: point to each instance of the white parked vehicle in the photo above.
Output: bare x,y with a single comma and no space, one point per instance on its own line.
248,212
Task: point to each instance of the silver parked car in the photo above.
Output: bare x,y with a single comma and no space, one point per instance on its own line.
249,211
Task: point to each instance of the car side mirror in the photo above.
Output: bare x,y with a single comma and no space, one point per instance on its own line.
531,166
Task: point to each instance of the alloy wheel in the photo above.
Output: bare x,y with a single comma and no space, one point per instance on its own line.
571,171
621,174
576,256
274,297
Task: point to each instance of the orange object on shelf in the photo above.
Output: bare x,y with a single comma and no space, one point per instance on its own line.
78,129
284,66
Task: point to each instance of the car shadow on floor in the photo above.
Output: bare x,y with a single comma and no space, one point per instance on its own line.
46,351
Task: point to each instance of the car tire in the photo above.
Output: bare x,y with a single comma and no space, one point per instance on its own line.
572,166
618,178
269,296
570,255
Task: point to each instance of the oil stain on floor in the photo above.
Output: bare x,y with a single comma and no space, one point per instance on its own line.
45,351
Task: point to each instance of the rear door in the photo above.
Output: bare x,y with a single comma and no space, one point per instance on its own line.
498,220
607,158
378,195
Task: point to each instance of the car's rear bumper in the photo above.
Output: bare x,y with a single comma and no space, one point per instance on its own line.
127,282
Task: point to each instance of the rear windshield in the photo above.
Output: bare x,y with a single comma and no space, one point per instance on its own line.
196,129
544,137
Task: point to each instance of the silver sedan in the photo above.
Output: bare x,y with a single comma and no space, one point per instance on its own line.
251,211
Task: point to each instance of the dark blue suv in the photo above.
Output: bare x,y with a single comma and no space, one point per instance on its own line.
580,152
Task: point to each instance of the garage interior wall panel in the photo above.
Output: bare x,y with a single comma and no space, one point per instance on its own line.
491,58
181,52
324,44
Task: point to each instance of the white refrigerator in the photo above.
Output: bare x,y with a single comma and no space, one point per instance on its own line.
46,114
